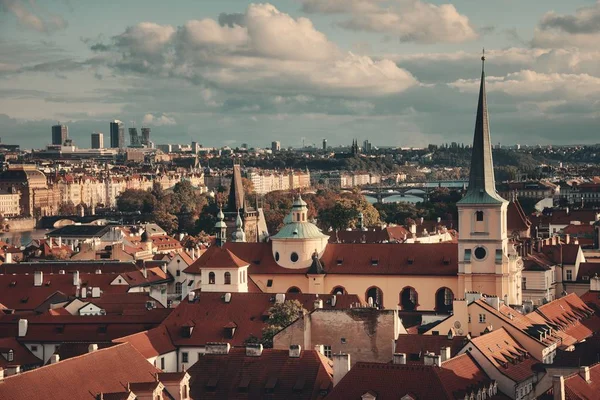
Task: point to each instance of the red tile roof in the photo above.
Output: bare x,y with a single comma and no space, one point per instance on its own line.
421,344
236,375
568,313
83,377
516,218
21,355
210,315
562,253
576,388
216,257
73,328
18,292
505,354
151,343
393,381
366,259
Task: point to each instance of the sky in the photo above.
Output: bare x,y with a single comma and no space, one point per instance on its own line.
227,72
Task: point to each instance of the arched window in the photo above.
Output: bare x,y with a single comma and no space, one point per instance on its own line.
339,290
479,215
443,300
294,289
178,288
409,299
227,278
211,278
374,296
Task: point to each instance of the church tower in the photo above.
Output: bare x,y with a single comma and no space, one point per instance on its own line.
487,262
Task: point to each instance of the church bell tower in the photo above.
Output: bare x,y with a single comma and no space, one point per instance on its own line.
487,262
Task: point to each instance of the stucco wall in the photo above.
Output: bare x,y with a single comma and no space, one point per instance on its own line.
366,334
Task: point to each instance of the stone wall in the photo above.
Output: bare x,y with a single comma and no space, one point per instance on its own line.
21,224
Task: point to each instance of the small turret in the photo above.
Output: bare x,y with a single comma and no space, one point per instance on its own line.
221,229
239,235
147,242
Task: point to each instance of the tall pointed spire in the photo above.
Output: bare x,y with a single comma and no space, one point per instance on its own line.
236,199
482,185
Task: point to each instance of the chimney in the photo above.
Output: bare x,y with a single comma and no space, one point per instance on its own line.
432,359
38,278
76,278
83,292
318,303
191,296
295,351
595,283
558,387
98,271
96,292
60,241
584,372
399,358
8,258
493,301
227,297
472,296
446,353
23,323
320,349
1,374
92,348
567,238
333,300
54,358
280,298
254,349
341,366
145,272
217,348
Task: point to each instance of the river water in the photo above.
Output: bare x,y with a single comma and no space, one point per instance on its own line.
396,199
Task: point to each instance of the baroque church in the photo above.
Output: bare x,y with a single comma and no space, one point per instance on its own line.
408,276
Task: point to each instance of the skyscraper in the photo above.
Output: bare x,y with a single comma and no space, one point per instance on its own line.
275,146
117,134
134,139
60,133
97,140
146,136
324,144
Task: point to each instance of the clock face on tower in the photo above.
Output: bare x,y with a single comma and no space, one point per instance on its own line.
480,253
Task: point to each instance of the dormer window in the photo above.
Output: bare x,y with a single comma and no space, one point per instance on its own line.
374,261
479,216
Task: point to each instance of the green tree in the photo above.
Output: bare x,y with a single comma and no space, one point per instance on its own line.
132,200
280,316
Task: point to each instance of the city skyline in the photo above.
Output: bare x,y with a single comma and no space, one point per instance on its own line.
406,70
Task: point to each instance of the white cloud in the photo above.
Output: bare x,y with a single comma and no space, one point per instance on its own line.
528,83
271,52
410,20
162,120
29,19
581,29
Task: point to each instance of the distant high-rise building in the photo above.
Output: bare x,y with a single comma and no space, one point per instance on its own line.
97,140
195,147
367,147
324,144
60,133
117,134
275,146
134,139
146,136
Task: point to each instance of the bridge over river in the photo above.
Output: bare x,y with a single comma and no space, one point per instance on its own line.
413,192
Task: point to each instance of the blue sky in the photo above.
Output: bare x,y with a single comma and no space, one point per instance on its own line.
397,72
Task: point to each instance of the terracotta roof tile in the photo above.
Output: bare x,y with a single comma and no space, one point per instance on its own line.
236,375
209,314
151,343
507,356
110,368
